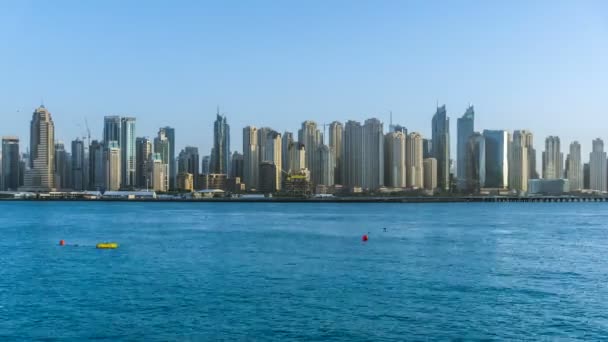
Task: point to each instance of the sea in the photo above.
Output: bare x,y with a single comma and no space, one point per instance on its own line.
301,272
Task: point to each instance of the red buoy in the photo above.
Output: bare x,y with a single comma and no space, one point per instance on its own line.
364,238
61,243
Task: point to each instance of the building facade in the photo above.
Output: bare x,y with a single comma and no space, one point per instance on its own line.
143,153
327,167
78,165
475,171
414,157
441,146
372,173
395,161
188,162
497,158
574,167
336,135
465,129
430,174
220,158
553,164
311,137
352,154
11,164
251,157
518,163
41,173
128,156
112,166
96,166
597,167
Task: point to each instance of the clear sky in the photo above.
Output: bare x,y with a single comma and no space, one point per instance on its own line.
540,65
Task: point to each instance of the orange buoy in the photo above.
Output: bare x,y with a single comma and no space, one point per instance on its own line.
61,243
364,238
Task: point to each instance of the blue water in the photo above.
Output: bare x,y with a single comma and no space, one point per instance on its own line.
280,272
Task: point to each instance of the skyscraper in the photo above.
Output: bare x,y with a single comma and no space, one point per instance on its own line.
441,146
597,167
476,163
427,148
112,166
78,165
62,167
159,173
326,165
312,138
128,154
10,164
238,165
373,155
96,166
169,132
297,157
273,154
111,129
162,146
41,174
575,167
497,158
205,165
353,154
336,134
251,157
553,164
528,138
188,162
430,173
220,159
466,128
414,161
143,154
395,161
286,143
518,163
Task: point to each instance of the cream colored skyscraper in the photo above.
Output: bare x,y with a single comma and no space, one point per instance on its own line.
251,164
598,167
336,134
518,163
413,161
272,153
553,163
312,138
112,166
297,157
430,173
372,172
41,174
394,158
159,173
326,163
575,167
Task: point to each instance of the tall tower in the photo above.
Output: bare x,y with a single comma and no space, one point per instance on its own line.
441,146
575,167
395,161
497,158
286,143
10,164
352,154
312,138
476,163
188,161
373,155
163,146
96,166
336,134
78,165
273,154
597,167
251,164
553,164
143,154
466,128
128,154
518,163
169,132
41,175
220,159
112,166
414,161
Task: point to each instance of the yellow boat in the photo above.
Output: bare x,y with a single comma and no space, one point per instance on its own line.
107,245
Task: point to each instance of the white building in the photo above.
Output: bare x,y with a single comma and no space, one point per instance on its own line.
394,155
112,166
413,161
575,167
373,155
518,163
553,159
598,166
251,164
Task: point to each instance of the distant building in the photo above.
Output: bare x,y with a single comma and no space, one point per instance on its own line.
497,158
427,148
336,135
169,134
352,154
465,129
548,186
213,181
238,165
574,167
158,173
441,146
272,153
586,176
188,162
372,173
78,166
41,173
553,164
268,179
326,165
597,167
251,157
10,164
96,166
111,129
518,163
311,137
128,156
286,142
185,181
143,155
394,158
475,170
220,158
297,184
430,173
297,157
414,157
528,138
63,167
205,167
112,166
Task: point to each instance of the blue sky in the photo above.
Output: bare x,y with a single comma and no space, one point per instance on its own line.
539,65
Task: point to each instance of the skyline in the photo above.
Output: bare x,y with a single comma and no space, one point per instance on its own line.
523,66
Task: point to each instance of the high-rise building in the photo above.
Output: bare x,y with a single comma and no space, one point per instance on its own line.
238,165
206,165
62,167
528,138
297,157
336,134
414,157
159,173
586,176
597,167
112,166
430,173
497,158
326,165
169,133
373,155
574,167
352,154
475,171
41,173
129,156
466,128
185,181
268,177
272,154
251,157
286,143
96,166
518,163
220,159
188,162
395,161
78,165
553,164
312,138
143,153
10,164
111,129
263,134
427,148
441,146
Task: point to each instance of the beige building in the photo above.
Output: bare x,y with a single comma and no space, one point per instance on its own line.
159,173
394,158
41,173
185,181
112,166
251,157
518,163
413,161
273,154
430,173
